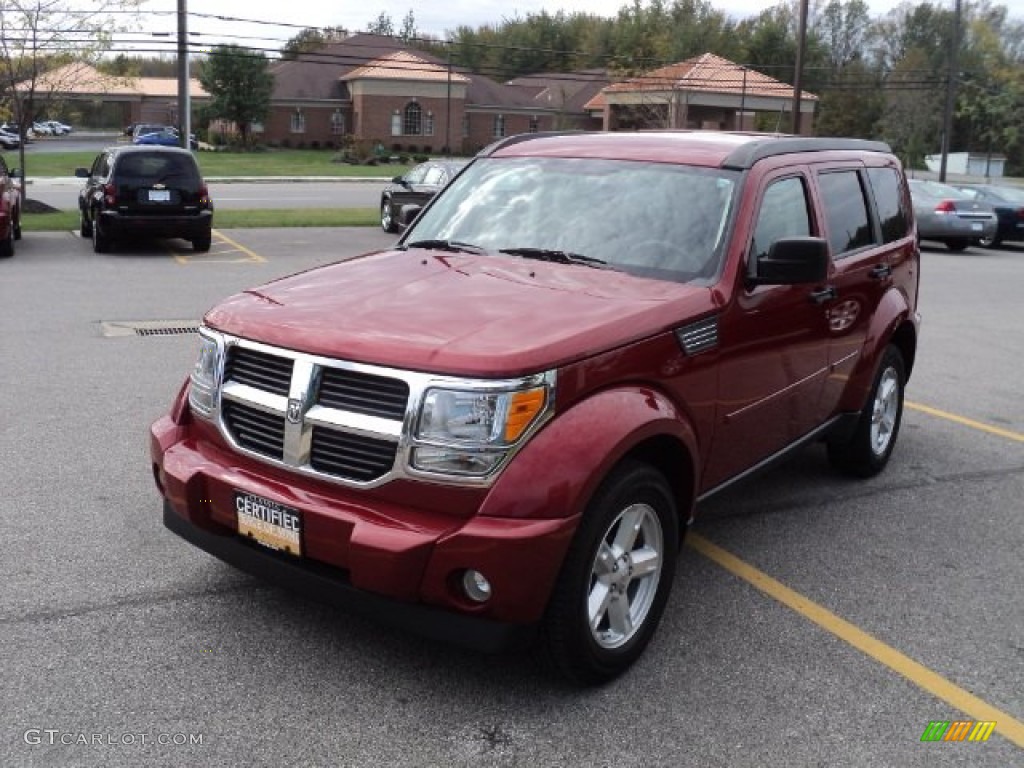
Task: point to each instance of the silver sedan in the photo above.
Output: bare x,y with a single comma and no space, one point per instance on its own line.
950,215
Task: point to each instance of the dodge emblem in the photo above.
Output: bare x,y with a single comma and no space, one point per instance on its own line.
294,410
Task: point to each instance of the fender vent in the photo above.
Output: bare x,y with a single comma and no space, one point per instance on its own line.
698,337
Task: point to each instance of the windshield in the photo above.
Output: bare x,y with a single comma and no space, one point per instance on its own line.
649,219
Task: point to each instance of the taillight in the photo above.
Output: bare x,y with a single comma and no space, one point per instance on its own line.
1020,213
110,194
946,206
204,195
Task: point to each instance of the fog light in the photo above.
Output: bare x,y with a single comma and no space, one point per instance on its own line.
476,586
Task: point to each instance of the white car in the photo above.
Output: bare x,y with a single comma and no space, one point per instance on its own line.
42,129
58,128
9,140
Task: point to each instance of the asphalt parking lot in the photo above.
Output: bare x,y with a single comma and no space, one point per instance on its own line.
814,621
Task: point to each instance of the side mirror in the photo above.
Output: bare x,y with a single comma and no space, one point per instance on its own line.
82,173
793,261
399,180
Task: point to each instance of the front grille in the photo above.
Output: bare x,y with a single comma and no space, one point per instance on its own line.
255,430
259,369
350,456
363,393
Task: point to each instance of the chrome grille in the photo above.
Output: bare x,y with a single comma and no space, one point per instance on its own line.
363,393
351,456
259,369
255,430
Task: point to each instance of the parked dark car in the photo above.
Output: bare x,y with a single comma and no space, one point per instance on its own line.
144,191
10,209
1008,203
949,215
416,187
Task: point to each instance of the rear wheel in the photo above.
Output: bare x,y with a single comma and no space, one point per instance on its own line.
201,244
868,450
7,243
616,578
957,245
101,242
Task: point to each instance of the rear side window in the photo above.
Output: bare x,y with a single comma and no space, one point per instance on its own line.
891,203
846,212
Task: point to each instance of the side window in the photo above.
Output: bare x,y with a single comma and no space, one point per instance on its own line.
99,167
846,212
891,204
783,213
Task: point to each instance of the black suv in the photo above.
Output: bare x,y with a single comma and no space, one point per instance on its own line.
144,192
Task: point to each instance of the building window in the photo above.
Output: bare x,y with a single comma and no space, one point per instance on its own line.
337,122
534,125
256,127
396,123
465,126
499,126
428,124
412,124
298,121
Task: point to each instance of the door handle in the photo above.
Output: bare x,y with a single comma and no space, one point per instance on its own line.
880,271
824,294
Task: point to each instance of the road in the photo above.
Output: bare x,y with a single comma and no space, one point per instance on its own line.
120,634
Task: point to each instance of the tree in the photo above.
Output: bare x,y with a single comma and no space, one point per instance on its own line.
382,25
409,31
38,38
240,84
311,39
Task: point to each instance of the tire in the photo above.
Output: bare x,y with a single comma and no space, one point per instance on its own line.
990,242
958,245
101,243
17,225
387,218
84,225
602,614
867,451
202,243
7,243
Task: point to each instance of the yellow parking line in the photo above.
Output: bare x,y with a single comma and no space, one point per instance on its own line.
1007,726
252,254
981,426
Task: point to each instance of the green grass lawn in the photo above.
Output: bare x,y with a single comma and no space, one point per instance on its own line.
272,162
235,219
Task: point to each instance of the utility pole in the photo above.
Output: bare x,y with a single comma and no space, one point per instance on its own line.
184,104
798,78
947,117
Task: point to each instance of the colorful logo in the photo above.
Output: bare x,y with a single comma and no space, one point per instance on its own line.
958,730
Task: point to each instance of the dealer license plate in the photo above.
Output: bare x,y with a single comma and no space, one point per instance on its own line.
271,524
159,195
976,226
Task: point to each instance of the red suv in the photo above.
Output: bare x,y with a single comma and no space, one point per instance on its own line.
10,209
501,428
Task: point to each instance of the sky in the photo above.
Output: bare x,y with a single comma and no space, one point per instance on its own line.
432,17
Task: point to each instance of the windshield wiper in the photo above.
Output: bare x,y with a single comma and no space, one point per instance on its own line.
559,257
453,246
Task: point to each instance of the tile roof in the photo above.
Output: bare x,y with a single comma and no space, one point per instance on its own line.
82,79
404,65
710,74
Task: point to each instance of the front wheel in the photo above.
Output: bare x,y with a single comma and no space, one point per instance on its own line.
387,217
868,450
616,578
17,225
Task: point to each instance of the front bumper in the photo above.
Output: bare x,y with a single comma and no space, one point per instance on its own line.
396,562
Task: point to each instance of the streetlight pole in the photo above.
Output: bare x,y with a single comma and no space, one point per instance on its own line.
184,106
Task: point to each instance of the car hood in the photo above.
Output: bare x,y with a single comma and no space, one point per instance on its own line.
458,314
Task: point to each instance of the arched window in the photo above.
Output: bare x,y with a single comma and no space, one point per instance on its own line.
412,124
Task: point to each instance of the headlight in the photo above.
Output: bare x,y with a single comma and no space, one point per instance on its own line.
468,432
202,394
